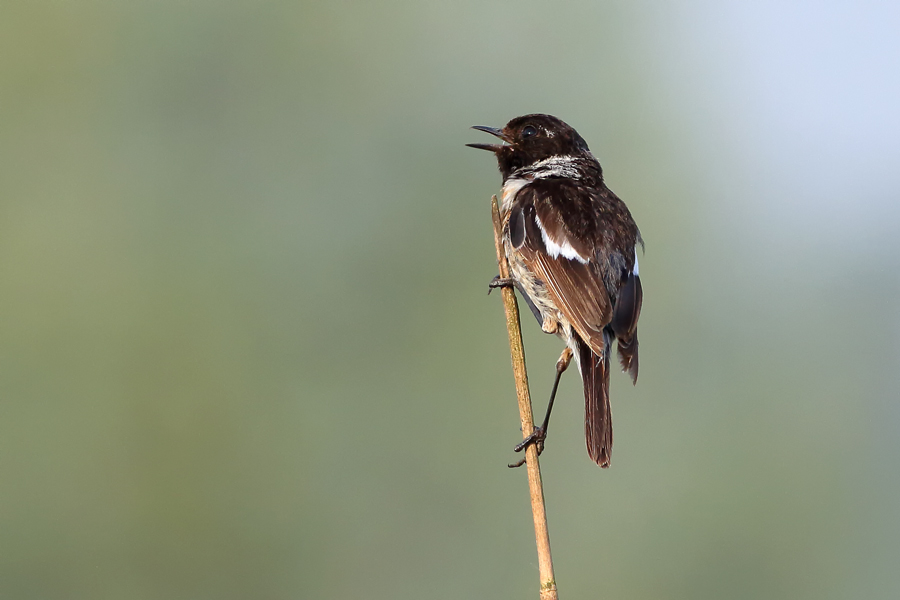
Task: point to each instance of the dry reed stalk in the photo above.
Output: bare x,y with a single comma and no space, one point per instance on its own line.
517,351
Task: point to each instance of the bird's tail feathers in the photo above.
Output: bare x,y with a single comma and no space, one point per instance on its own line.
597,416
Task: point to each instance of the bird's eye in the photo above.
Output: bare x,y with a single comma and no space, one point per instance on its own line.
529,131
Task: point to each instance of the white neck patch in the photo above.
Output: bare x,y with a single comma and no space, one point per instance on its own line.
555,166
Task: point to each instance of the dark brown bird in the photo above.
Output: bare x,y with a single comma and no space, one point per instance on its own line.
572,250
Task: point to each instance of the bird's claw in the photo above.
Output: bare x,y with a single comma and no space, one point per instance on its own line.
500,282
537,438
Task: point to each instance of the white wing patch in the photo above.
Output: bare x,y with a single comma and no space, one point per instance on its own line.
635,271
554,250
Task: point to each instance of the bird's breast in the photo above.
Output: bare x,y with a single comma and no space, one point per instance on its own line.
508,194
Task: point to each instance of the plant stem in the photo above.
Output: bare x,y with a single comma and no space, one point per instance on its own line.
517,351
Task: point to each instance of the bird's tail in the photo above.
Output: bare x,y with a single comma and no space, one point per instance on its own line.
598,432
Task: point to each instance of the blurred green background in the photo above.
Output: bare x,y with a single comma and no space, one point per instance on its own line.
246,349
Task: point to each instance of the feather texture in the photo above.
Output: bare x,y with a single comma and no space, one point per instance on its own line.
598,433
571,244
624,323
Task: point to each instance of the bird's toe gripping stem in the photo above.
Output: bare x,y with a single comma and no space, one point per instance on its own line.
500,282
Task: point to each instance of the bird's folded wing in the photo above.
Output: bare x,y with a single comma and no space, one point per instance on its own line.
565,264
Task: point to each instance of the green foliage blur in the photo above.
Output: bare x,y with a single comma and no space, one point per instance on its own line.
246,349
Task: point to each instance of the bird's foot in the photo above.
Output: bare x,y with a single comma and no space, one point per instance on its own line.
500,282
537,438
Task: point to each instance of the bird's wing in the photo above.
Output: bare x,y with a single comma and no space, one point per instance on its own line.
566,263
624,323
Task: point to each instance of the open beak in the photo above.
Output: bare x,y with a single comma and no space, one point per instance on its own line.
493,131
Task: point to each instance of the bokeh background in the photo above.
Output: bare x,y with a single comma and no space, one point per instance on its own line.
246,349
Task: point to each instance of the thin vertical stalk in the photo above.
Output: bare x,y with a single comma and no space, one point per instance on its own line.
517,351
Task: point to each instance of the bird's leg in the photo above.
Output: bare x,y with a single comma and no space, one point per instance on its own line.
540,433
500,282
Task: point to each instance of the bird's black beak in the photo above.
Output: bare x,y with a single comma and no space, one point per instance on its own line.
493,131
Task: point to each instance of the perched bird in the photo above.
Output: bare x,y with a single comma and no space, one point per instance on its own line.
571,244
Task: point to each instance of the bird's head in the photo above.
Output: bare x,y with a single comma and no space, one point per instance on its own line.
530,139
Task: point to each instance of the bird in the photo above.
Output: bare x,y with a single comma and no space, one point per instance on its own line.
571,244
